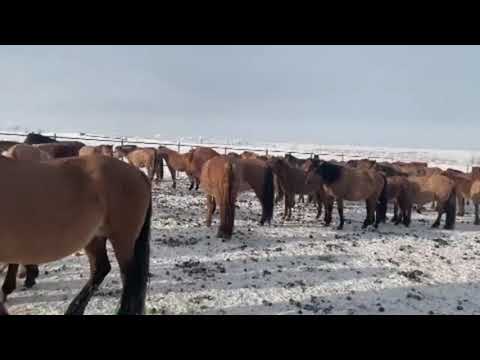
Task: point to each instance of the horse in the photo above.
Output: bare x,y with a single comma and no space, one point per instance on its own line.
299,164
79,203
63,149
464,183
176,162
196,158
147,158
399,190
122,151
475,196
346,183
292,181
5,145
412,168
106,150
426,189
475,172
361,164
224,177
33,139
26,153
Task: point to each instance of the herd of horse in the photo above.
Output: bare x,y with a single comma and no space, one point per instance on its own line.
61,197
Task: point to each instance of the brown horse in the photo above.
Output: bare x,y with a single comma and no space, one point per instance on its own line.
463,183
412,168
64,149
399,190
293,181
196,158
475,196
147,158
176,162
224,177
475,172
364,164
121,151
346,183
79,203
426,189
22,152
27,153
106,150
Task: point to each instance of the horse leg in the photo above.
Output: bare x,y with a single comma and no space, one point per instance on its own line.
192,182
369,216
340,213
289,204
173,175
10,282
211,205
32,274
395,218
440,210
319,207
477,217
96,251
197,182
461,205
328,211
301,199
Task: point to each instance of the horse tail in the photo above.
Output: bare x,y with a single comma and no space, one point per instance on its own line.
227,208
383,201
451,209
268,196
136,276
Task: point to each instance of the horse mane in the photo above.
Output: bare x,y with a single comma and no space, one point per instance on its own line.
329,172
33,138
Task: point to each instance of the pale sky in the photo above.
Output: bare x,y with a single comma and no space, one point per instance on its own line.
405,96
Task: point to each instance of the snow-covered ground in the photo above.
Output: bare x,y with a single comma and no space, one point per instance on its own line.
291,267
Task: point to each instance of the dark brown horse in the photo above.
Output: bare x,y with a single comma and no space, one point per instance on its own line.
33,139
345,183
79,203
399,190
463,183
293,181
63,149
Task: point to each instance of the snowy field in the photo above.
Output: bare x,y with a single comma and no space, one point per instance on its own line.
294,267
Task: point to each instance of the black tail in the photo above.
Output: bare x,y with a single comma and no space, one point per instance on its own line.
268,196
136,276
382,203
451,210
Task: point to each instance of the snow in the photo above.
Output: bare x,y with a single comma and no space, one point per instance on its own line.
284,268
288,267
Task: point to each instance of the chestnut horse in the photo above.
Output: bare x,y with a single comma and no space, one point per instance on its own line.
196,158
176,162
346,183
79,203
224,177
147,158
106,150
426,189
464,183
399,190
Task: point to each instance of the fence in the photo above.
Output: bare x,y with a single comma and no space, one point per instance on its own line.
221,148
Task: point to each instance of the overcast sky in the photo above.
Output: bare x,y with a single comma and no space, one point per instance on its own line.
419,96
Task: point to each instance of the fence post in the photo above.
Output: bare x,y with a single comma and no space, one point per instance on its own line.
266,152
55,136
225,150
121,141
178,145
343,157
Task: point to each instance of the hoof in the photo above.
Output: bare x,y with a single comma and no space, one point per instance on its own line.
340,227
